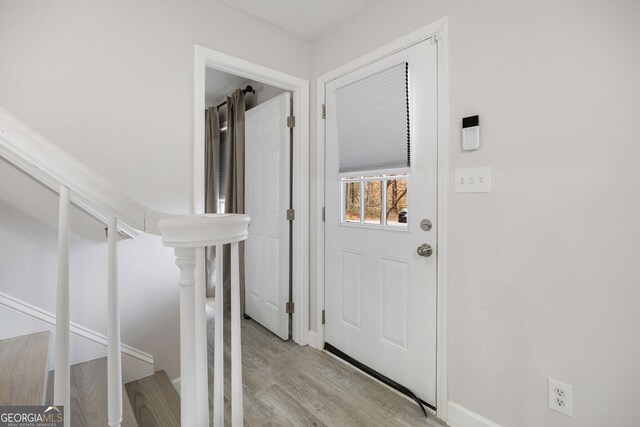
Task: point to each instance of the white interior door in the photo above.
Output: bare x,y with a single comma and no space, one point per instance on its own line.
380,294
267,164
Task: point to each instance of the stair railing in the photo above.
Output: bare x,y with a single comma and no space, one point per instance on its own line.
189,234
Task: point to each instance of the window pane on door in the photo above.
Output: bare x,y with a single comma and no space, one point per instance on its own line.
397,202
352,202
373,202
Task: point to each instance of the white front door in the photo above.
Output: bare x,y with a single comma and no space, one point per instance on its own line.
267,161
380,294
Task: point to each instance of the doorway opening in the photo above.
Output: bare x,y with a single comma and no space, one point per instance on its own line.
249,161
276,182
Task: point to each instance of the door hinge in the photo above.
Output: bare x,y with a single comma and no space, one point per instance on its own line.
291,121
324,111
291,214
323,318
323,214
290,307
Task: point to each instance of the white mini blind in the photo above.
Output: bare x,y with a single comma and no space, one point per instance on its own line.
222,176
373,121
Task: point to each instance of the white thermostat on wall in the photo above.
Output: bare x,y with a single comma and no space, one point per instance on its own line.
471,133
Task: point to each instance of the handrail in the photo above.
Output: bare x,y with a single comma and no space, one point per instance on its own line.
188,234
47,163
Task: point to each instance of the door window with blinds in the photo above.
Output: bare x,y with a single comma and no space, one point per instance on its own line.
374,144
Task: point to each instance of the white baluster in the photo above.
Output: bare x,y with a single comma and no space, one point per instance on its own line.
236,348
185,260
188,233
202,387
218,349
114,355
61,386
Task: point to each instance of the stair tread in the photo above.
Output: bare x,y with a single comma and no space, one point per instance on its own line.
24,362
89,395
155,401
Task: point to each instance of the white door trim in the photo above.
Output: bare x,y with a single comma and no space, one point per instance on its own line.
439,30
208,58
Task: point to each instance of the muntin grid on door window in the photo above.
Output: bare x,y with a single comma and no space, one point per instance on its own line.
375,200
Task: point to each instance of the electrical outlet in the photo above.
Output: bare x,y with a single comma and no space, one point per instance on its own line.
560,397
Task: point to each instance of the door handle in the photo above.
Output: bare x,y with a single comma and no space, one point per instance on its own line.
425,250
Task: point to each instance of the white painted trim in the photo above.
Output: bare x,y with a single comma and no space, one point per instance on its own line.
442,391
50,318
320,195
45,162
439,29
460,416
176,384
312,339
208,58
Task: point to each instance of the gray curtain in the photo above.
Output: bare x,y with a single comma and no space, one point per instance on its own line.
212,177
234,189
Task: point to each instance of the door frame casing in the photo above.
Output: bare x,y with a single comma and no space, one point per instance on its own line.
439,31
209,58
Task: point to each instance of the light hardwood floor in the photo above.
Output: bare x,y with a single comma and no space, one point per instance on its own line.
289,385
154,401
89,395
24,362
284,385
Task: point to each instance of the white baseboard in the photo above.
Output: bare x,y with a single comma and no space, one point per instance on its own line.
176,384
142,361
312,339
460,416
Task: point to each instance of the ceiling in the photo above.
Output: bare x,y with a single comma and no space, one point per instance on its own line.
219,84
305,18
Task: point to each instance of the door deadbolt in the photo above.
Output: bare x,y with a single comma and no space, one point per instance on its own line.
426,225
425,250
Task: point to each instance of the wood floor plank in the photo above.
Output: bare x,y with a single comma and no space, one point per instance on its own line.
24,364
155,401
288,385
89,395
128,417
286,409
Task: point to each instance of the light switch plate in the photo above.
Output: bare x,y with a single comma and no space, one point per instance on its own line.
473,180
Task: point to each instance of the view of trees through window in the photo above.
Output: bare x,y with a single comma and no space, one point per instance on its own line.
352,202
385,200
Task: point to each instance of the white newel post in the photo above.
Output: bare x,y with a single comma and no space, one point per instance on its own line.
188,234
186,261
61,385
114,354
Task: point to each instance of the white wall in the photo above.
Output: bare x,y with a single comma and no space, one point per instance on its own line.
112,84
15,323
543,270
